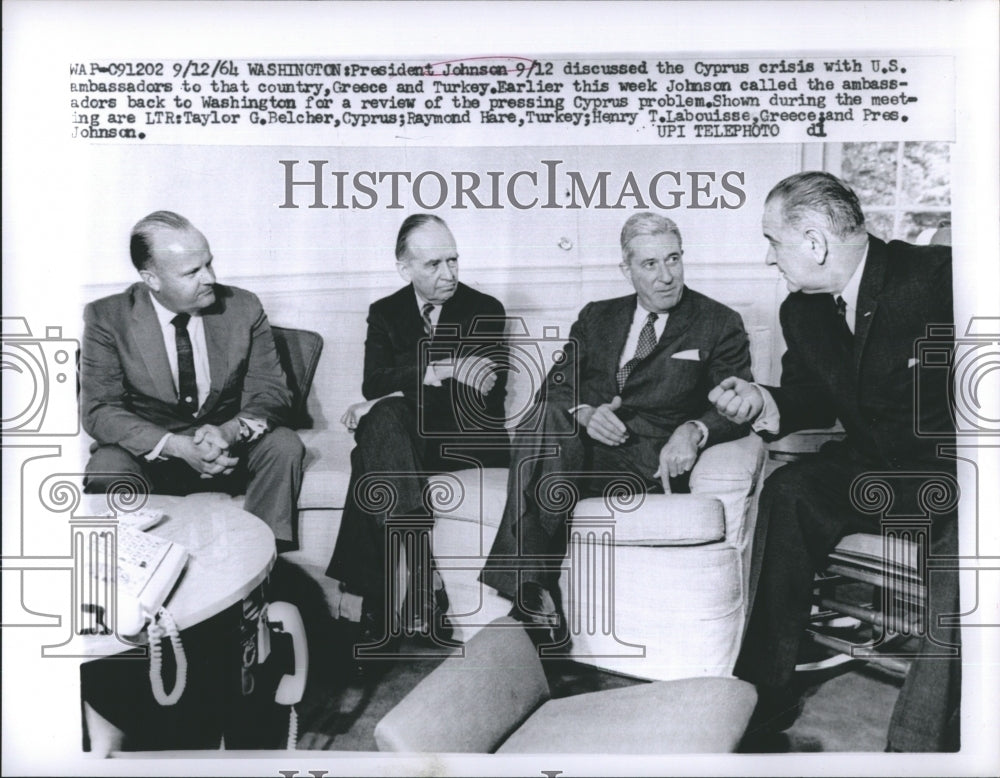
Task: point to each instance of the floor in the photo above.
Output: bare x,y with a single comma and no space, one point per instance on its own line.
844,708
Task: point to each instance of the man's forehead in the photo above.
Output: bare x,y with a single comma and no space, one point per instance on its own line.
656,243
431,237
178,242
772,219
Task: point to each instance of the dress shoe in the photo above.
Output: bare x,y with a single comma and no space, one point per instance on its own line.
373,646
428,611
541,613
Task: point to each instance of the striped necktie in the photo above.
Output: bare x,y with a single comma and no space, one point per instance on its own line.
645,346
425,312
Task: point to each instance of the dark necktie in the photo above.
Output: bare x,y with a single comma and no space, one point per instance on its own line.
645,346
842,312
187,386
426,313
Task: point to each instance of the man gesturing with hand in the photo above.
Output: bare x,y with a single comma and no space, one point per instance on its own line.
630,397
856,310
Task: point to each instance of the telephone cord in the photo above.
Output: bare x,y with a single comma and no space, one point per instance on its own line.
163,624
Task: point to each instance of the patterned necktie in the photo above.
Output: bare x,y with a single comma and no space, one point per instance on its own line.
425,312
645,346
187,386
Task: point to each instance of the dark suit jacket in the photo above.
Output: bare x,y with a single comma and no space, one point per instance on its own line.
663,391
869,383
470,323
128,395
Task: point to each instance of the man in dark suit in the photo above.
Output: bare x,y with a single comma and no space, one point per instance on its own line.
434,357
629,398
180,382
856,309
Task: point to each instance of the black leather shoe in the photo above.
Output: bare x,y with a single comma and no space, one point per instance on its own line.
373,649
541,613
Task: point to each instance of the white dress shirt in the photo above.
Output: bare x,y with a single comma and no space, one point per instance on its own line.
199,350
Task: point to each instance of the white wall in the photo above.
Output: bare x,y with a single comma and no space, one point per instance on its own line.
321,268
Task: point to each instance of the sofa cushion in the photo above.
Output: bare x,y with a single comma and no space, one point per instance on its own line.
327,468
470,495
655,520
658,519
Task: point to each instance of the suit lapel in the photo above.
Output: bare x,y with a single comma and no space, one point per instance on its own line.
148,339
678,321
449,318
217,343
872,281
618,325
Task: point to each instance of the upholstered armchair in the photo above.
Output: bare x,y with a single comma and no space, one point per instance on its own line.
654,586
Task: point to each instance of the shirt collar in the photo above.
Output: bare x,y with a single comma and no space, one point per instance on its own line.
853,286
164,315
421,302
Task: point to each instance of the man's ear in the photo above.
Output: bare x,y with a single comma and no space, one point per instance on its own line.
150,279
817,244
626,269
403,268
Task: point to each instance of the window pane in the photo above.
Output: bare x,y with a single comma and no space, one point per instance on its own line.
870,170
879,225
926,174
912,224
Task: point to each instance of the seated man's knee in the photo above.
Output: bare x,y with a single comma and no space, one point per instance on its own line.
790,481
283,444
109,468
388,414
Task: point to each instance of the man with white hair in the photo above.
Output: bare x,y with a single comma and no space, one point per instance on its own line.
629,398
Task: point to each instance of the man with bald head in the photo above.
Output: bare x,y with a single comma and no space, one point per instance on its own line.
181,384
435,384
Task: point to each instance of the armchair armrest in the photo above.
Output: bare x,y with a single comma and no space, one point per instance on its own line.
731,472
729,467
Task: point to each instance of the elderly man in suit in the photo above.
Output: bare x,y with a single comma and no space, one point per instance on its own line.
630,397
181,384
435,382
856,309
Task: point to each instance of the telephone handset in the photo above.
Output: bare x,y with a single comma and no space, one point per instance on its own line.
147,568
163,626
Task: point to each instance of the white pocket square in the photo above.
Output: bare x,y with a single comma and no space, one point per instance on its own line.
911,362
691,354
